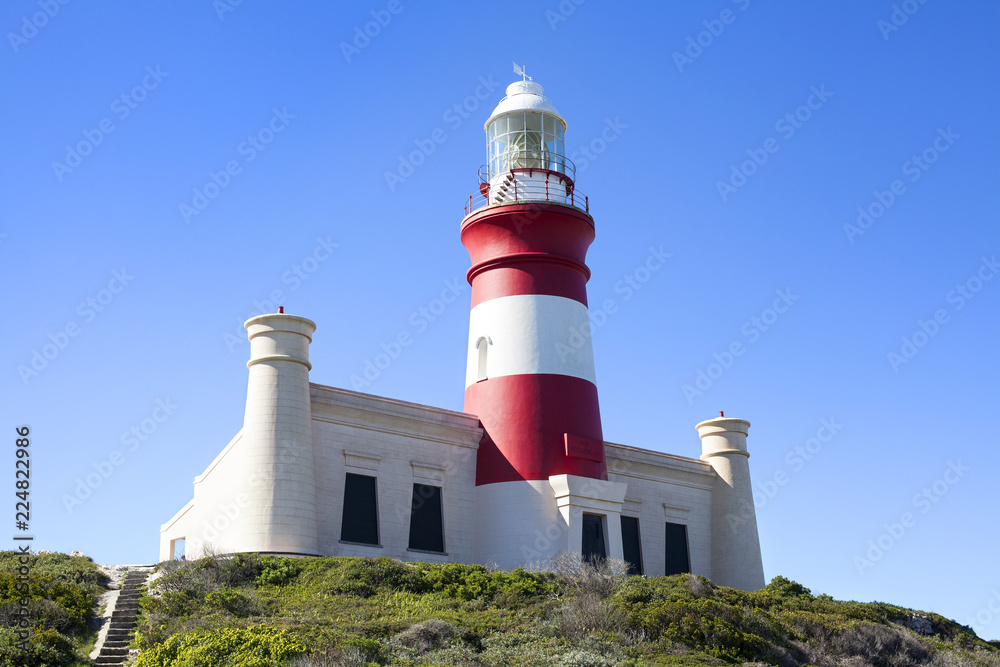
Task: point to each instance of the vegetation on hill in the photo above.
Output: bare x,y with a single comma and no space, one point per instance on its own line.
261,611
61,594
257,611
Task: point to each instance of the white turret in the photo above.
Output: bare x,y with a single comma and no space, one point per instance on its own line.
276,446
736,558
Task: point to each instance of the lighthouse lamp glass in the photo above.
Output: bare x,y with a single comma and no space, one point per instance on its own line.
526,140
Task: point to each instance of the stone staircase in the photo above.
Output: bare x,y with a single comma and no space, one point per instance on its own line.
114,651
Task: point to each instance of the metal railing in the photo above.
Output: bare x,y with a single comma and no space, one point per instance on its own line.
512,190
520,158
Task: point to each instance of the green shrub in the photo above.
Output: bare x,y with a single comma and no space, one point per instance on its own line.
76,601
784,588
277,571
77,570
231,600
200,577
170,603
366,576
471,582
255,646
664,608
61,596
43,613
46,648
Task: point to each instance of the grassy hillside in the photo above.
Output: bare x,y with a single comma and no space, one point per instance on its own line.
61,594
257,611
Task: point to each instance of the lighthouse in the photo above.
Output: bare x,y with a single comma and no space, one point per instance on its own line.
523,472
541,476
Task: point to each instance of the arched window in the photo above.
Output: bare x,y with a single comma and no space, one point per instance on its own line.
483,345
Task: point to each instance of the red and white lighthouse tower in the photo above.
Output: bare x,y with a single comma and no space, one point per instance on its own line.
541,478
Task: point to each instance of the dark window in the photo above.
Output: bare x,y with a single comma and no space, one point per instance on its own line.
677,549
593,537
631,547
426,528
360,520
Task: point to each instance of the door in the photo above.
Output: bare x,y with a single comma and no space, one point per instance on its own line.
593,537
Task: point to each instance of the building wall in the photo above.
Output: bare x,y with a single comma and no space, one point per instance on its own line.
402,443
664,488
220,497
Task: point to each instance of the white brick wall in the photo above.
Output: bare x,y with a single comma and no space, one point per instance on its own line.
664,488
400,444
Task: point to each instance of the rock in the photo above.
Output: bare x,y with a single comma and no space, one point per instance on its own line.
920,624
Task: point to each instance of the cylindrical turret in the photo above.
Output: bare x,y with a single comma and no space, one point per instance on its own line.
276,446
736,557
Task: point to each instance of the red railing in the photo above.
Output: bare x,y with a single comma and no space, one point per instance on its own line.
512,190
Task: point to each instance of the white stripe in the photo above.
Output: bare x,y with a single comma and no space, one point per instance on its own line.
518,523
531,334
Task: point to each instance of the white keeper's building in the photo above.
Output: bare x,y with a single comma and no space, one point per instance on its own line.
524,472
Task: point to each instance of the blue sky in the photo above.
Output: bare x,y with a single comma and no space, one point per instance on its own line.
170,166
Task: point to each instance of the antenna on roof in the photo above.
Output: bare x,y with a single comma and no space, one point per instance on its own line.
520,70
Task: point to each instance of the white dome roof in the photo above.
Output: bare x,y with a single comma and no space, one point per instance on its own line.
524,96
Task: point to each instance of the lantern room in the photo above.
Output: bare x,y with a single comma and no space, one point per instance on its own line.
526,155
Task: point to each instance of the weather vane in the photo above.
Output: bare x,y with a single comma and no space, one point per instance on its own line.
520,70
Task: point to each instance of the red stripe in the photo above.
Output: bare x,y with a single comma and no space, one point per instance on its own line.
525,418
536,248
510,276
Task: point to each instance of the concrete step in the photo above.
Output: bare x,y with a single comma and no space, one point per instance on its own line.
125,625
121,627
